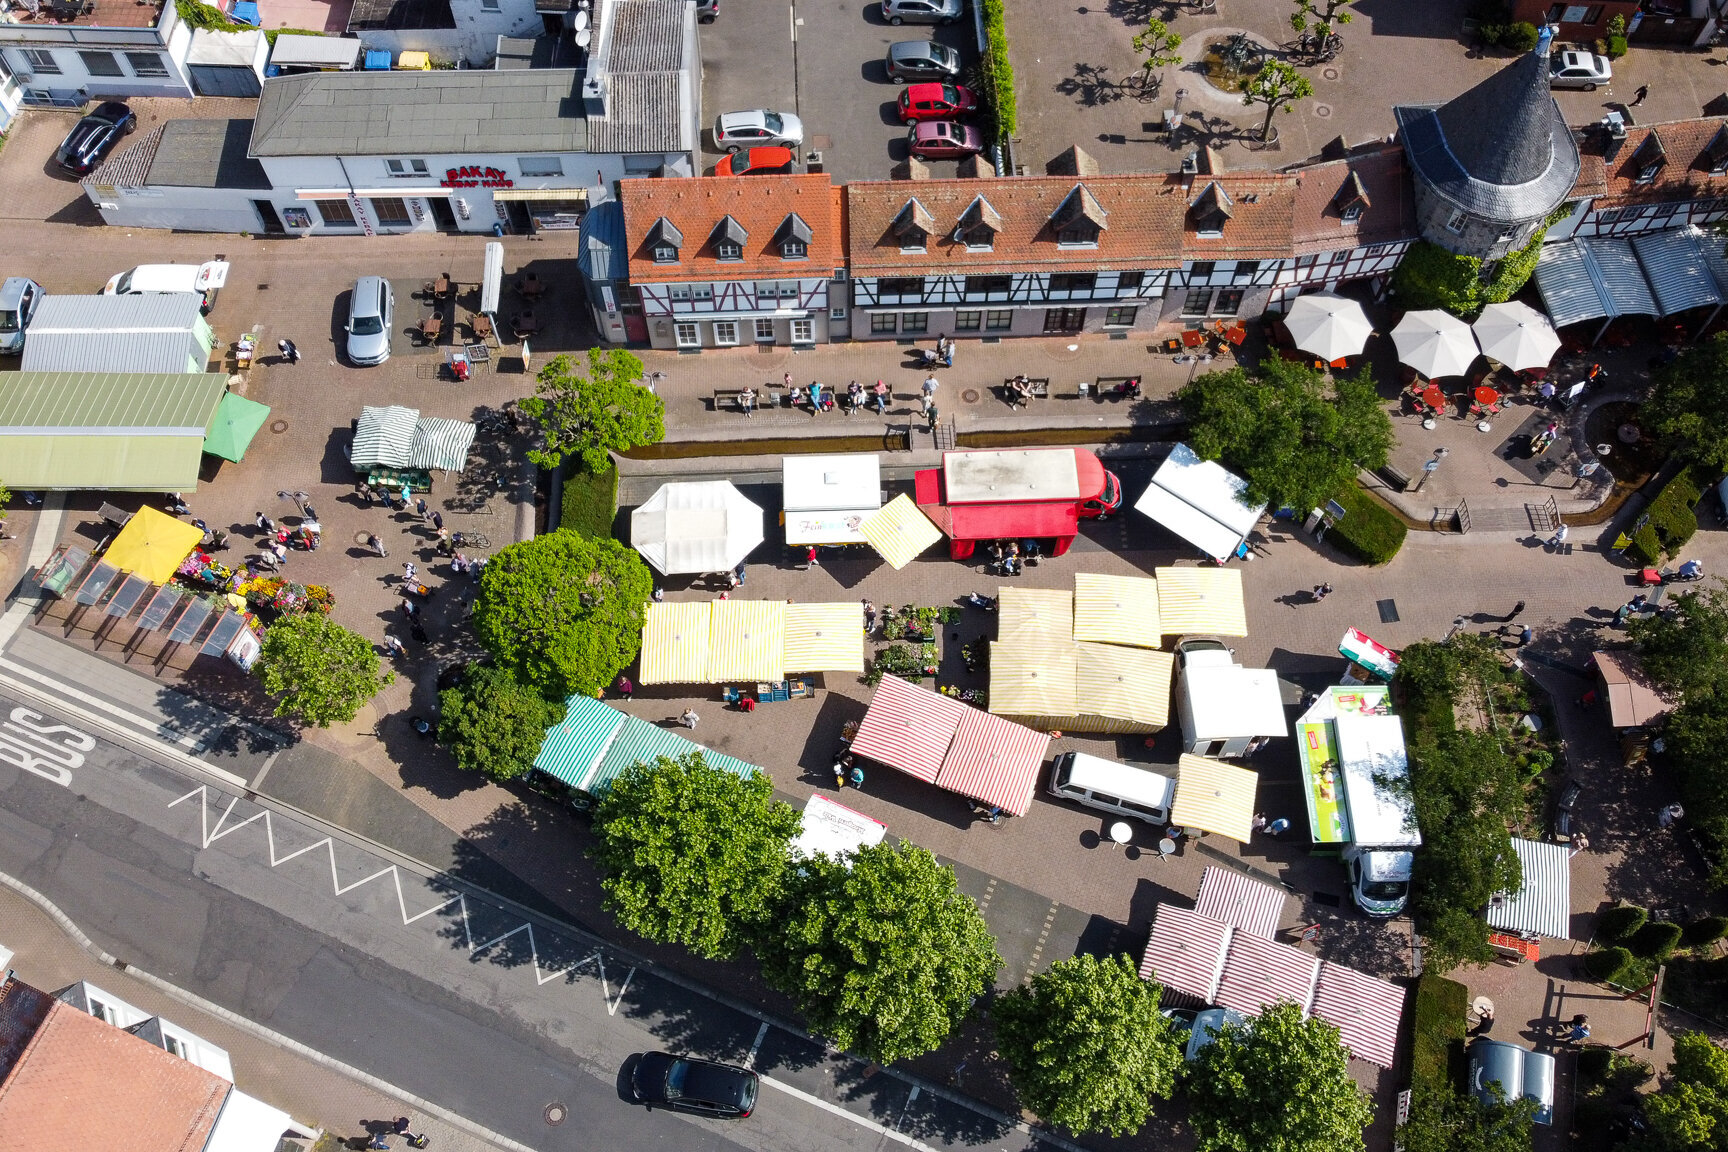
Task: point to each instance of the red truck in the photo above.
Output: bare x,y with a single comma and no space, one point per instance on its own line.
1016,494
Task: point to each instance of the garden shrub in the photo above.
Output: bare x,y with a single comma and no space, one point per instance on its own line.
1655,940
1593,1064
999,71
1616,47
1671,519
1431,277
1439,1025
1607,965
1519,37
1619,922
1706,930
1370,531
589,500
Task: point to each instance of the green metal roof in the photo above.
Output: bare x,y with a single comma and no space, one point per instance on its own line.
108,404
574,746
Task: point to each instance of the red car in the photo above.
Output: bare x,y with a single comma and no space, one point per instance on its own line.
943,140
772,160
936,102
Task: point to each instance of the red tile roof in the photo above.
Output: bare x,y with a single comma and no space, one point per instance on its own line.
1262,214
83,1083
1317,226
1142,229
1685,176
760,204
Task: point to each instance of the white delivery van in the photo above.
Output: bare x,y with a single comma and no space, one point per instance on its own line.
206,279
1112,787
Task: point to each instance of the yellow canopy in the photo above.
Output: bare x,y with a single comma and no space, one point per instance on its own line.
824,638
746,640
675,644
1117,610
1034,612
1033,675
1127,687
1212,795
152,545
899,531
1201,600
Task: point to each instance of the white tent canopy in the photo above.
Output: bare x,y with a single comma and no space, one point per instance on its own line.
1201,502
1544,904
835,830
1435,343
706,526
1328,325
826,498
1516,335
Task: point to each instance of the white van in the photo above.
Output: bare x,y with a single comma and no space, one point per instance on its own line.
206,279
1111,787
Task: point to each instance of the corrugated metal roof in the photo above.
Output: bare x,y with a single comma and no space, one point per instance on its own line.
1569,290
87,315
642,115
157,332
602,252
1544,904
1675,269
128,167
1621,278
575,745
108,404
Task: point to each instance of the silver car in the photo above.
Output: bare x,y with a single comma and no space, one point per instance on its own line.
19,297
755,128
1584,70
371,308
920,60
899,12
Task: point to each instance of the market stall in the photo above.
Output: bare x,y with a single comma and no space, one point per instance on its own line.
747,640
396,437
153,544
705,526
1543,906
1365,1010
1214,797
899,531
1201,600
1259,973
1117,610
236,422
1202,502
675,643
574,746
824,638
828,498
1240,901
1185,952
1634,700
835,830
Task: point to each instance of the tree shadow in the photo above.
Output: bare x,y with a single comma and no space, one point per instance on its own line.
1091,88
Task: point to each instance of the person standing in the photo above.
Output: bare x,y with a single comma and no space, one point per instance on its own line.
1638,96
854,397
1559,536
290,354
418,632
394,647
364,491
264,522
1669,815
689,718
815,397
738,573
1525,636
376,543
1513,615
438,521
811,560
625,688
400,1127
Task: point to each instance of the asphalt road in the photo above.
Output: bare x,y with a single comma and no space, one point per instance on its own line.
494,1014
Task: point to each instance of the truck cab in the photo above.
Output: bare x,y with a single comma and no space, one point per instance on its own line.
1379,879
1016,494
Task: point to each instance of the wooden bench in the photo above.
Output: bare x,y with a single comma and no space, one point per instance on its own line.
1040,386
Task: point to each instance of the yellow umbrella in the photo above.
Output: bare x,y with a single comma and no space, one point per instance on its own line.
1127,688
152,545
746,640
675,644
1214,796
1034,612
899,531
824,638
1201,600
1117,610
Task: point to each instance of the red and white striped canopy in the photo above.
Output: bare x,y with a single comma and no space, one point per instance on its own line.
995,761
1258,973
909,728
1247,904
1185,952
1365,1010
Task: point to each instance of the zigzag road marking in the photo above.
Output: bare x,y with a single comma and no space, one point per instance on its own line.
542,975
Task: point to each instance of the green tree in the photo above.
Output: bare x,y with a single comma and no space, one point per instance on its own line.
1296,441
1087,1046
1685,649
1688,410
1430,277
494,724
563,610
1278,1084
1690,1114
1322,14
1277,85
1159,47
595,414
5,499
1441,1120
321,671
881,951
692,855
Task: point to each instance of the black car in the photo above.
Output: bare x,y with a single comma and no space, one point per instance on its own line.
920,60
92,137
702,1087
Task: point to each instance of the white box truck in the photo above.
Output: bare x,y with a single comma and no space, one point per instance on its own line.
1224,706
1380,820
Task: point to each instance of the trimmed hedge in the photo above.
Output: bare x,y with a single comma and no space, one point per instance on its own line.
1607,965
1707,930
1671,519
1619,922
590,500
1655,940
1439,1026
998,71
1369,531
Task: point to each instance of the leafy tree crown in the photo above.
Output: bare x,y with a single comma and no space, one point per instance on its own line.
321,671
592,414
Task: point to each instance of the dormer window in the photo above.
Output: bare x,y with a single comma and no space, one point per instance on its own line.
1715,156
1649,159
1456,221
1079,220
728,239
794,238
1352,199
913,226
665,241
978,227
1211,210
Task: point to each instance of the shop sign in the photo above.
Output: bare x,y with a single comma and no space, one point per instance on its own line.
476,177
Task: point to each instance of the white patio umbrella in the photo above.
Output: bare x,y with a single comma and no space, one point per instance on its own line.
1328,325
1435,343
696,527
1516,335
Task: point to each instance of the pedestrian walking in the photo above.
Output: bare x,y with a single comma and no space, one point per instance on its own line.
364,491
1559,536
1258,824
410,610
1321,591
406,497
930,415
1638,96
408,571
925,403
739,573
1579,1029
290,354
394,647
1484,1020
376,543
931,384
625,688
420,507
811,560
1513,615
1524,637
1669,815
881,392
1278,827
413,1141
689,718
264,522
219,540
659,595
438,521
1580,843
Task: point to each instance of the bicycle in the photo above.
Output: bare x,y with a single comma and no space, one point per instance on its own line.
650,379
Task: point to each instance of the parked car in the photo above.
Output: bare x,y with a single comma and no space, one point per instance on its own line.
735,130
1197,1029
936,102
92,137
706,10
1584,70
205,279
19,296
913,60
943,140
685,1084
1518,1072
371,309
899,12
769,161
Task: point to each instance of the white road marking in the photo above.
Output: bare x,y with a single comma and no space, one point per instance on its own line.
150,727
861,1121
757,1046
792,20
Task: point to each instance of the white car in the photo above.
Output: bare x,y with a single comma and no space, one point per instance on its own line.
737,130
1584,70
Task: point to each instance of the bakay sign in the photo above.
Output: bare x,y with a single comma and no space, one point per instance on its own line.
476,177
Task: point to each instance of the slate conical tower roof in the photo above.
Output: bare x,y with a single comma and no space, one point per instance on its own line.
1502,150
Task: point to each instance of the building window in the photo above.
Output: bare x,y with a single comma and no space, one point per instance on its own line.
489,5
702,292
408,168
539,165
789,290
175,1046
336,213
1377,249
101,1011
901,286
687,335
884,323
988,286
1351,214
1227,303
391,211
665,254
914,322
1200,270
803,332
41,61
968,321
725,332
793,249
1245,270
999,320
1120,317
764,330
146,64
678,292
914,240
1455,222
1128,282
1197,302
1063,320
1072,281
728,250
980,238
1574,13
101,64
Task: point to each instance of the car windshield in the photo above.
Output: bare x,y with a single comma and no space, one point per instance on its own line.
368,325
675,1079
123,285
949,94
1111,492
772,122
8,320
1383,889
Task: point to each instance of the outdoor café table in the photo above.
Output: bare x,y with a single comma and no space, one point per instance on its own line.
1486,396
1433,397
